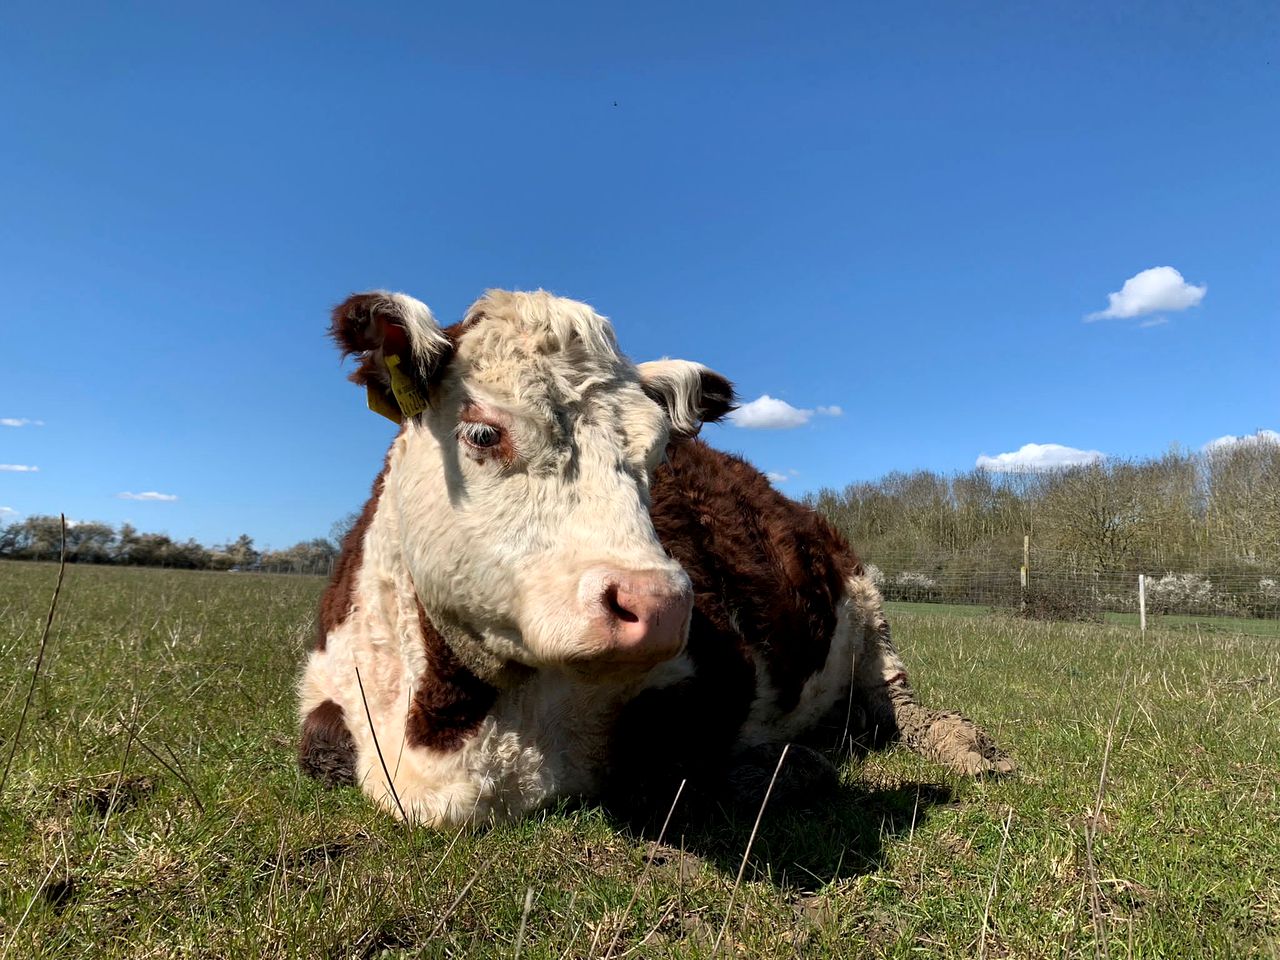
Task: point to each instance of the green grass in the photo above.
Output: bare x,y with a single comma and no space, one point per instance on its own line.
896,608
104,851
1165,621
1180,621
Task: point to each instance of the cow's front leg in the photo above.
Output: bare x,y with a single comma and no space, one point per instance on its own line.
944,736
326,749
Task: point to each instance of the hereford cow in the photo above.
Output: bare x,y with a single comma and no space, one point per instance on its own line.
556,590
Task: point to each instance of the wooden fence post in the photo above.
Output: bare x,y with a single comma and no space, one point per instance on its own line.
1142,603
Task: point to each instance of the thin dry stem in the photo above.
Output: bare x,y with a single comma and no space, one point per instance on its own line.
385,772
991,894
622,922
44,644
746,854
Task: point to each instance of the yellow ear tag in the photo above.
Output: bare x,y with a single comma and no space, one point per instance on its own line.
378,403
410,400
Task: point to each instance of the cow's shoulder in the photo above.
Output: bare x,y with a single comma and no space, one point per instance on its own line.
766,569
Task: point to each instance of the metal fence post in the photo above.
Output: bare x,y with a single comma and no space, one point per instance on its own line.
1142,603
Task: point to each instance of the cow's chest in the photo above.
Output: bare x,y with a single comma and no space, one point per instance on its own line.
545,739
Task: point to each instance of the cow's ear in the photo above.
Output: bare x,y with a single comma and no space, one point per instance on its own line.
401,349
690,393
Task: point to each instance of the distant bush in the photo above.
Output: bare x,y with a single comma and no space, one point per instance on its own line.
1180,593
912,587
1048,603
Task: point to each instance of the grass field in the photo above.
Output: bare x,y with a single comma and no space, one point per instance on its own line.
154,808
1165,621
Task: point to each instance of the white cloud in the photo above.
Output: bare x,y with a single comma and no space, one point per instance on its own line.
20,422
8,512
1160,288
776,477
1153,322
1039,456
1249,439
770,413
149,495
18,468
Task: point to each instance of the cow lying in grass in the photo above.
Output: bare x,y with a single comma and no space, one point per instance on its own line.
556,590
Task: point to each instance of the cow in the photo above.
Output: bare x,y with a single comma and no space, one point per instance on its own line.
556,590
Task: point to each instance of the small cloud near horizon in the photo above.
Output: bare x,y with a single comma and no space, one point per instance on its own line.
1248,440
8,512
1039,456
1159,288
149,495
770,413
18,468
20,422
777,476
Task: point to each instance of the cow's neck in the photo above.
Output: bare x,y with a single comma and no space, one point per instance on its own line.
467,647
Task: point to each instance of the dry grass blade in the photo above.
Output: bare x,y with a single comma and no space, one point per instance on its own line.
35,896
130,727
1101,946
635,894
746,854
385,772
991,894
524,920
44,644
466,887
195,797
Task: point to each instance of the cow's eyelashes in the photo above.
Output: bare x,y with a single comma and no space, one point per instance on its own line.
482,436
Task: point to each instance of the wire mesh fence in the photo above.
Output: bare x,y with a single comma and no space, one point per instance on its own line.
1246,602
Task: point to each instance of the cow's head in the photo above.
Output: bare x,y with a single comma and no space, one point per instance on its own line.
520,482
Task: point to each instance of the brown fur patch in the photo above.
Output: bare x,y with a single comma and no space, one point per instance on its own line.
768,576
370,326
340,595
450,701
766,571
326,750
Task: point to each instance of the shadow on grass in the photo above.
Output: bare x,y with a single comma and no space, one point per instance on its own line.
799,846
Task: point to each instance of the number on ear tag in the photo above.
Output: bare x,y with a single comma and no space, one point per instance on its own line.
410,400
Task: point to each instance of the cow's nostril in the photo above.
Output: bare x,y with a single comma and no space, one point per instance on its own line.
616,608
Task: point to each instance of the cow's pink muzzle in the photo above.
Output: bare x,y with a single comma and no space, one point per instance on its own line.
643,616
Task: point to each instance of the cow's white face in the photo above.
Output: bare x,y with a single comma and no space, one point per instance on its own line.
522,490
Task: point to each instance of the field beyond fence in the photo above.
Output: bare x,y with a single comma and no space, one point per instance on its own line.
1054,589
155,808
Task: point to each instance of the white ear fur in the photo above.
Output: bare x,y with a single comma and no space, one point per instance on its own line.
375,324
691,393
426,341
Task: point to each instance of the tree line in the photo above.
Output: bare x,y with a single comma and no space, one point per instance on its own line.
1215,512
40,538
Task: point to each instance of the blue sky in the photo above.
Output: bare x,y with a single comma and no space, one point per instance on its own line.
906,211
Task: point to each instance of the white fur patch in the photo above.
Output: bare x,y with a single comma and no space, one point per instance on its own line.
425,338
679,383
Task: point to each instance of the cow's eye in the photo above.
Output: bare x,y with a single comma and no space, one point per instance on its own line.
482,436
